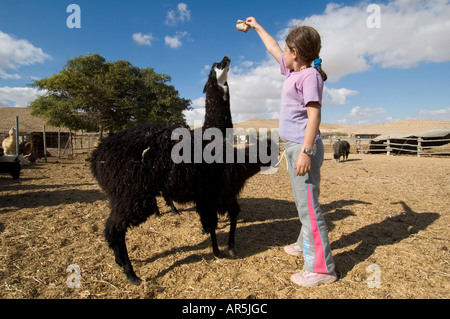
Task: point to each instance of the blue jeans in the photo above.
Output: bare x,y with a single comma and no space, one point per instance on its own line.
313,235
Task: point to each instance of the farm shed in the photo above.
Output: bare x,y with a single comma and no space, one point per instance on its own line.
428,142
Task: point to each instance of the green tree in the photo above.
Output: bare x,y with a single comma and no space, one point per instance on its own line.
92,94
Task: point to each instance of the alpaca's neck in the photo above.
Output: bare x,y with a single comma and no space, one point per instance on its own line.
218,113
250,168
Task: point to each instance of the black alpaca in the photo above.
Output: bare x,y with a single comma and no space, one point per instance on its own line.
217,107
134,166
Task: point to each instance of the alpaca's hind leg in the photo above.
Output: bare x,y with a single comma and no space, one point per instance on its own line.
115,236
215,247
233,213
116,227
169,202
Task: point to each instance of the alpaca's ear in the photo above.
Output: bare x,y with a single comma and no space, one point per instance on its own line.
212,80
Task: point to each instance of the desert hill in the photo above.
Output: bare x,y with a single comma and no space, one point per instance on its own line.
406,126
30,123
27,122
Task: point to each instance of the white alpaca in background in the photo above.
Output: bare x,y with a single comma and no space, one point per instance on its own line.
9,143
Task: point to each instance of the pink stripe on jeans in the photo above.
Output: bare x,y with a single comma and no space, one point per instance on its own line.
319,258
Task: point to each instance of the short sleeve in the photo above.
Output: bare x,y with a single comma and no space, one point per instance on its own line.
283,68
312,88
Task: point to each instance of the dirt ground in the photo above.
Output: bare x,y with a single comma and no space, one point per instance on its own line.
388,220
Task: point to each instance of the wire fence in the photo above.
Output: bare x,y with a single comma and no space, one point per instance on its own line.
65,144
412,145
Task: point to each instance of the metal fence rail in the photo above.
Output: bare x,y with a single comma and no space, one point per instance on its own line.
410,145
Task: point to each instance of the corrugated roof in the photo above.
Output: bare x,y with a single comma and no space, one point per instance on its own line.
438,132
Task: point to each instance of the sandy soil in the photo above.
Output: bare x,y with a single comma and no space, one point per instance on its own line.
388,219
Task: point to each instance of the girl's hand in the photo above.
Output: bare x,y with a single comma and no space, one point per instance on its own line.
251,22
303,164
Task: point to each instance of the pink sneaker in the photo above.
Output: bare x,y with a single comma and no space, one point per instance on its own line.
310,279
293,250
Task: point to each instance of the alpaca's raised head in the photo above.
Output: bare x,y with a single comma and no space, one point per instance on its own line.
218,76
217,102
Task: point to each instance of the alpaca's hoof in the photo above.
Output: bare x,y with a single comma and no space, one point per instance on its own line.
134,280
219,254
233,253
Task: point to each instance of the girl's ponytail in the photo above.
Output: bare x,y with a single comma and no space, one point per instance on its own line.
318,66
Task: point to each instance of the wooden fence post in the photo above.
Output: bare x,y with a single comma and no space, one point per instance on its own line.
17,137
59,142
419,146
45,144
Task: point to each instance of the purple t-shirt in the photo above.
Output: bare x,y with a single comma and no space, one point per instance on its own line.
299,89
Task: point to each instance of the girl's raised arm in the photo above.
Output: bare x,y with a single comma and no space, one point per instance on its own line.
271,44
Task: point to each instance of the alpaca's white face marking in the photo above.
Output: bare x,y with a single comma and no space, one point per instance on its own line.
222,76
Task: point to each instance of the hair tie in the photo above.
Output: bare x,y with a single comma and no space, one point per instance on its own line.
318,63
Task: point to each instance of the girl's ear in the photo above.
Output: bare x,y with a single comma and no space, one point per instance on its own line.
295,53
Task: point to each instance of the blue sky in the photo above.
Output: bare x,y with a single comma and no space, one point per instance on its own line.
384,64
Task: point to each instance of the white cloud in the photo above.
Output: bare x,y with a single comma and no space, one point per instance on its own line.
143,39
436,115
364,116
18,96
205,70
336,96
255,92
175,41
195,116
182,14
17,52
410,32
247,64
359,112
199,102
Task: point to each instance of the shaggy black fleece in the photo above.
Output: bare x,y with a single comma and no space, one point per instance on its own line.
134,166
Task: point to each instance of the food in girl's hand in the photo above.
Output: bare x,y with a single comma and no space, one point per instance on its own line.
242,26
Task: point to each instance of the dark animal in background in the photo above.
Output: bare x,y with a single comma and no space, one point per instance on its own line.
34,149
10,164
341,149
135,166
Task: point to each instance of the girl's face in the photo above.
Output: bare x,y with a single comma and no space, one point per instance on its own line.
289,57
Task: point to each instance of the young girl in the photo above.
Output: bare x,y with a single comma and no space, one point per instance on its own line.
300,117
